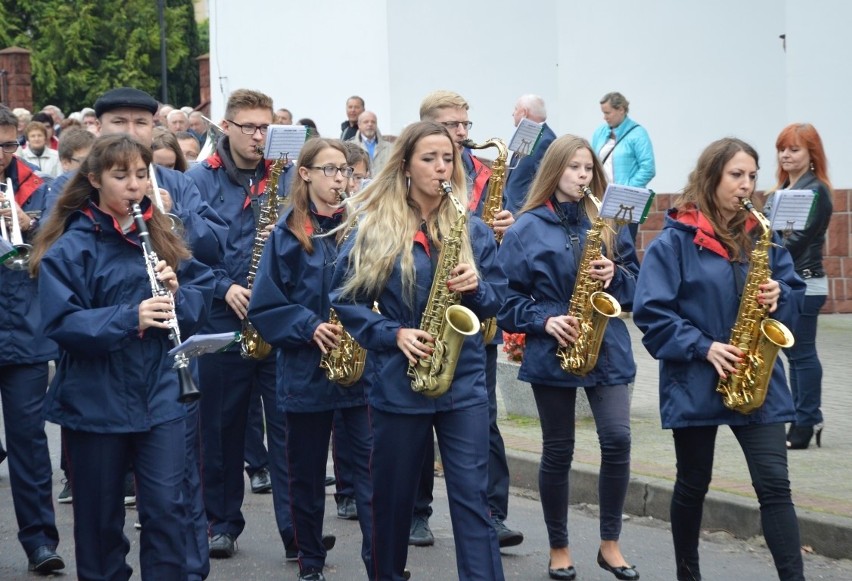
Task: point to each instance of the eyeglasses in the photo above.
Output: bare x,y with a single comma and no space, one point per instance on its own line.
9,146
250,128
450,125
331,170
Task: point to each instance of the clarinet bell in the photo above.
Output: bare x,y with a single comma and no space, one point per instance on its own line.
188,392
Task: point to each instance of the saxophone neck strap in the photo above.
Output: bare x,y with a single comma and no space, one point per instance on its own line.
573,239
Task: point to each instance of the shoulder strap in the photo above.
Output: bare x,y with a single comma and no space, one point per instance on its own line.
619,140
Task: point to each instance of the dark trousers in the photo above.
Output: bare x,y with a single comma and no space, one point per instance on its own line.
226,381
399,444
22,388
98,465
307,454
341,453
256,456
611,409
764,447
197,547
805,367
498,468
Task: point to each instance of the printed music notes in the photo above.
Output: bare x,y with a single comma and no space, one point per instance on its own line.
526,137
626,204
789,209
285,141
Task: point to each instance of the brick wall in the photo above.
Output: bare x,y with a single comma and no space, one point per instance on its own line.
838,260
16,79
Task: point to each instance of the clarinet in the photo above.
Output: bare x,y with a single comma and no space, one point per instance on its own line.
188,391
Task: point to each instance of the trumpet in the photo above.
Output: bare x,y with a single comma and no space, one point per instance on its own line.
177,223
14,253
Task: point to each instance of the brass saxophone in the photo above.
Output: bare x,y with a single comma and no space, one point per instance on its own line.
754,333
345,363
444,318
590,305
492,205
252,345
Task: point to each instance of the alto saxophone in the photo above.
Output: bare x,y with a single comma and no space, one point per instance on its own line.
444,318
492,205
252,345
345,363
754,333
590,305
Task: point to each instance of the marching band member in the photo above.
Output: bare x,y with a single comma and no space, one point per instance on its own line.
403,219
451,110
24,367
289,307
114,393
686,304
541,253
232,181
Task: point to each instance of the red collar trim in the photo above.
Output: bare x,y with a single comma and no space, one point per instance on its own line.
483,174
28,183
420,238
705,236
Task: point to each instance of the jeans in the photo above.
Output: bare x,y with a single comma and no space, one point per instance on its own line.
764,447
611,409
805,368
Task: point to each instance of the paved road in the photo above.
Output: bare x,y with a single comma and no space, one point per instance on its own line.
646,543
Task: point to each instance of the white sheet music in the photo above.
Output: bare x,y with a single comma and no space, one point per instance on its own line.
207,343
791,209
526,137
285,140
626,203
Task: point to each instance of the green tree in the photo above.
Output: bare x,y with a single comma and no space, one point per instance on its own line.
82,48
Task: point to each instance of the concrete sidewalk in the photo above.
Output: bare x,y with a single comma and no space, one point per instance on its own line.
821,478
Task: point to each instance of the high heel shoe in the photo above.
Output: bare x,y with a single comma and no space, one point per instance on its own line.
629,573
568,573
799,437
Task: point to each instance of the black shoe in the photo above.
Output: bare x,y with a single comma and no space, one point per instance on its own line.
291,549
628,573
261,482
506,536
799,437
420,534
347,509
44,560
311,574
223,546
568,573
64,496
330,481
129,490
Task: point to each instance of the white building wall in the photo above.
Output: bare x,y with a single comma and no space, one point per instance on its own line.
693,70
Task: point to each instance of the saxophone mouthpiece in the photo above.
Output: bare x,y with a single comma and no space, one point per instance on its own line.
259,150
585,190
747,205
446,188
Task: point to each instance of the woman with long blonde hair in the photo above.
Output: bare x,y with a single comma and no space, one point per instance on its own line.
542,253
402,219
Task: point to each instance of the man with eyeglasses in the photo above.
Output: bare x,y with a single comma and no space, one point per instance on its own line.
451,110
370,138
24,366
233,180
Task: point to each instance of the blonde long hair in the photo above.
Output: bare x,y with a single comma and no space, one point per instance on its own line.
387,219
553,164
